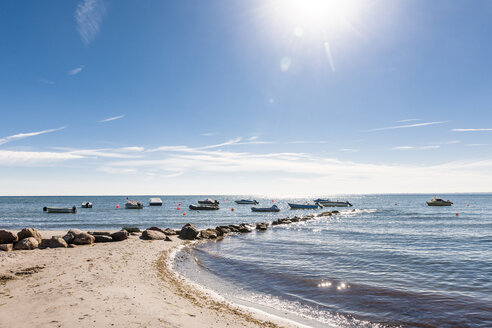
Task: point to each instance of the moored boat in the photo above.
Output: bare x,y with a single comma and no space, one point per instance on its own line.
204,207
72,209
246,201
304,206
274,208
86,205
155,202
133,205
435,201
332,203
208,201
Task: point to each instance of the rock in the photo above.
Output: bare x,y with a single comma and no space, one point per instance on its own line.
208,234
135,233
69,237
261,226
71,246
7,237
75,231
30,232
99,233
26,244
275,222
120,235
57,242
102,239
153,235
234,227
245,229
170,232
222,230
168,239
335,212
157,229
45,243
295,219
6,247
188,232
325,214
83,238
131,229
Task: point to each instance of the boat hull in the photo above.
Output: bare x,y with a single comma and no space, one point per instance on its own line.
439,204
86,205
329,203
246,202
203,208
303,207
267,209
60,210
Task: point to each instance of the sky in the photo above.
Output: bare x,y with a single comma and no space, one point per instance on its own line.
262,97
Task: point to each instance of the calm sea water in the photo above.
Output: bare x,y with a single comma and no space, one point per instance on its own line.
392,262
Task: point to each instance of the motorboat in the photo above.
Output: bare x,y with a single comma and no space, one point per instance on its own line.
86,205
133,205
274,208
332,203
155,202
72,209
246,201
204,207
304,206
208,201
435,201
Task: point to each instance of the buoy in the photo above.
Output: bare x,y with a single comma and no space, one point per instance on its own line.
457,214
232,209
179,204
467,204
272,200
184,213
117,206
178,208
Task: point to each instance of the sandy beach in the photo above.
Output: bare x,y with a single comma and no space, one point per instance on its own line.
120,284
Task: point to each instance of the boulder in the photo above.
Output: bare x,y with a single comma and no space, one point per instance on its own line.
170,232
234,227
222,230
30,232
208,234
131,229
335,212
45,243
188,232
58,242
99,233
325,214
168,239
153,235
245,228
69,237
75,231
120,235
262,226
295,219
7,237
102,239
157,229
6,247
275,222
83,238
26,244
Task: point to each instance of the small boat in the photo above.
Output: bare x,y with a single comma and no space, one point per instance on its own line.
435,201
72,209
246,201
204,207
208,201
86,205
304,206
274,208
133,205
155,202
331,203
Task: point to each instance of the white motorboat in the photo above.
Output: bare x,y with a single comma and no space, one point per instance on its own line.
155,202
332,203
436,201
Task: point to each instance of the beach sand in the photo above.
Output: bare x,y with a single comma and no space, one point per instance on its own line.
119,284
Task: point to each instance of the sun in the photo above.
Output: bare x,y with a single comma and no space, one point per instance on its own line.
318,14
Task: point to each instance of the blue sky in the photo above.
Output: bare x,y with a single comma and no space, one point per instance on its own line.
291,97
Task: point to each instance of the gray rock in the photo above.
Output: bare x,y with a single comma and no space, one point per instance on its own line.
131,229
157,229
30,232
57,242
83,238
262,226
335,212
99,233
102,239
28,243
6,247
120,235
208,234
69,237
325,214
75,231
45,243
234,227
170,232
168,239
188,232
7,237
245,229
222,230
153,235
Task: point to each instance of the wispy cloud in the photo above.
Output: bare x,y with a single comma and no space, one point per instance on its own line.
416,148
416,125
46,81
33,158
408,120
307,142
76,70
89,15
349,150
27,135
472,130
208,134
114,118
476,145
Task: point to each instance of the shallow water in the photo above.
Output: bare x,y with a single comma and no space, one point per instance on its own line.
381,265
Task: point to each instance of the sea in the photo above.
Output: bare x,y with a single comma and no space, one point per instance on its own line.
387,261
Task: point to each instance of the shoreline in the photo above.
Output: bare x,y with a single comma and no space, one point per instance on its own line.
127,283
